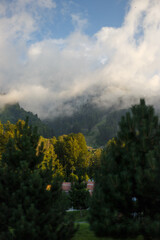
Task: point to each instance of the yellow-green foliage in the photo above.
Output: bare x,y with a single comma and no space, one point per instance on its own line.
9,130
50,157
111,141
94,161
67,155
73,154
6,131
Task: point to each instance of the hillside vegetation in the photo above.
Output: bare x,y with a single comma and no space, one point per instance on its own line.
98,125
125,171
13,112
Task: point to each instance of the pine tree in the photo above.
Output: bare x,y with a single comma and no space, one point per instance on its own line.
28,208
126,200
79,194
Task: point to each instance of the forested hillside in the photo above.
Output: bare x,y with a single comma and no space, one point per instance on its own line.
33,168
97,124
14,112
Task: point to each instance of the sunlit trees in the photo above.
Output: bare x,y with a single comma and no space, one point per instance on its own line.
126,200
6,131
50,157
94,163
28,208
73,154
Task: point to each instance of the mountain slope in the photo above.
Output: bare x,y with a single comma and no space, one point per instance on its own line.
14,112
97,124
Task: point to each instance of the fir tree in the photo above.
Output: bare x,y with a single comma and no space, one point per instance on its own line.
126,200
31,202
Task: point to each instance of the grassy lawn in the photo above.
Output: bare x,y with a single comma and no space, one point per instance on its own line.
79,216
84,233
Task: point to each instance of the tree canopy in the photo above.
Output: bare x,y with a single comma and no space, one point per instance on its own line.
28,208
126,200
73,154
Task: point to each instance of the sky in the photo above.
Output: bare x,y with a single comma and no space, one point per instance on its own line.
53,51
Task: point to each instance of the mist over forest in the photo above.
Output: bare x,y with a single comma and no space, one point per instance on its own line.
98,124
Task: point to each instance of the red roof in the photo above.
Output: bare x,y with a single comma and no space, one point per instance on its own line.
66,186
90,186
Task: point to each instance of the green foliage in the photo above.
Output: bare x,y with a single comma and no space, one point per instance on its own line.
67,156
79,194
50,157
82,120
13,112
95,162
126,200
28,208
6,131
73,154
97,124
108,128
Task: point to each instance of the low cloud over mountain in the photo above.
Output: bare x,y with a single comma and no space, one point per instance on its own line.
43,73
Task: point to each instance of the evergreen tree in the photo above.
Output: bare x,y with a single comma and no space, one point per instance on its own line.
126,200
6,131
94,163
31,201
79,194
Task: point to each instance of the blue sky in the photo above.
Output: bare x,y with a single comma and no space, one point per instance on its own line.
97,13
55,50
92,15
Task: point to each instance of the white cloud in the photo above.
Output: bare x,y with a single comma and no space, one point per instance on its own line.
78,22
122,62
21,18
34,51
